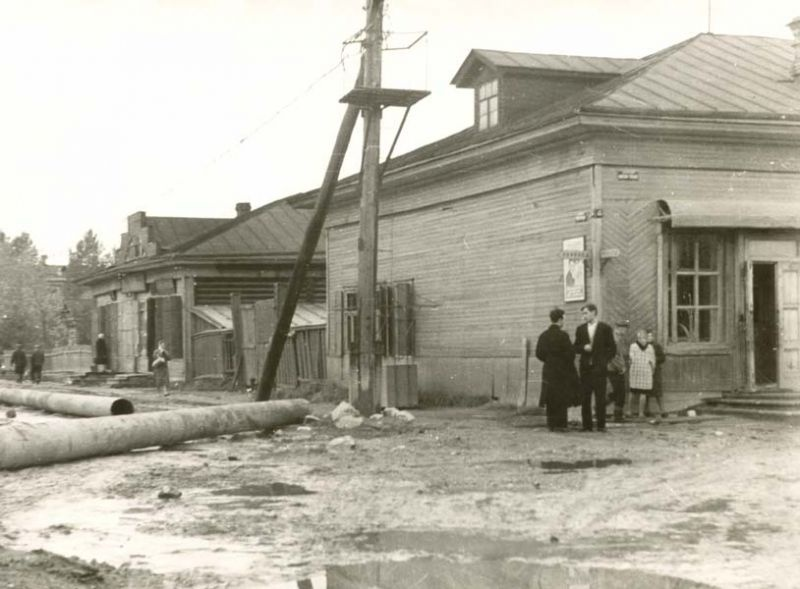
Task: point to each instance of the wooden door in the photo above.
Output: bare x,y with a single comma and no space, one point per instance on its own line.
750,339
789,310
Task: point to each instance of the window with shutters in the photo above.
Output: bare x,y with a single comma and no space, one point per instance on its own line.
394,321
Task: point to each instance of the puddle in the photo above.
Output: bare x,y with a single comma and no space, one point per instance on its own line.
563,466
503,574
270,490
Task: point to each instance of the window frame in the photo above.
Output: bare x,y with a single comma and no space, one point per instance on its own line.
487,104
716,308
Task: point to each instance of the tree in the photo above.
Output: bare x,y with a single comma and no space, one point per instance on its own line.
29,304
86,258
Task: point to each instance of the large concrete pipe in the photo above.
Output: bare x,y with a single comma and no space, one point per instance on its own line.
66,403
24,445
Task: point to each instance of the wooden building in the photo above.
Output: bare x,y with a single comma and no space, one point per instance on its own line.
173,279
665,189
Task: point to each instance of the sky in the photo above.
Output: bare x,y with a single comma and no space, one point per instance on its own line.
186,107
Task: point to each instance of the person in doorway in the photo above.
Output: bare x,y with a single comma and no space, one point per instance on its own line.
658,391
161,368
19,361
101,353
594,341
559,378
643,364
37,364
616,374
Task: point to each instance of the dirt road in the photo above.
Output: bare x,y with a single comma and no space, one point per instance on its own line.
711,500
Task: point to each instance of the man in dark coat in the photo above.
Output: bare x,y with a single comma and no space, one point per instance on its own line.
37,364
20,361
559,377
594,341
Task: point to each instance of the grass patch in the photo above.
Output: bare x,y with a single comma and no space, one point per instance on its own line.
440,399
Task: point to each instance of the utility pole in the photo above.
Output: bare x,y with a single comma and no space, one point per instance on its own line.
368,393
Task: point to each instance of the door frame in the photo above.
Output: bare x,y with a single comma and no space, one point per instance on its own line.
749,323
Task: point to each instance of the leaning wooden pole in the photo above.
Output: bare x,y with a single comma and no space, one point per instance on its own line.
26,444
310,240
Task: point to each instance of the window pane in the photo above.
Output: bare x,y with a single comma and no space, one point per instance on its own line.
707,325
482,92
494,87
707,254
685,327
483,108
707,288
483,122
685,253
493,118
685,290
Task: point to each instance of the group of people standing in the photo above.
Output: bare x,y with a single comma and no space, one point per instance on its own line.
600,359
19,363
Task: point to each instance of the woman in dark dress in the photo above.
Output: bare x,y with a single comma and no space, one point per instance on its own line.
560,384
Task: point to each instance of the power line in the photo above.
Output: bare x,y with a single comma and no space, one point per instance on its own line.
230,149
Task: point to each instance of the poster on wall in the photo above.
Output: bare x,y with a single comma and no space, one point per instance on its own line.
574,269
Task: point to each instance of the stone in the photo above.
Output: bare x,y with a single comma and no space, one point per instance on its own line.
348,422
169,493
344,408
341,443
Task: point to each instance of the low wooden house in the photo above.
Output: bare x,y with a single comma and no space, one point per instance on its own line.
665,189
174,277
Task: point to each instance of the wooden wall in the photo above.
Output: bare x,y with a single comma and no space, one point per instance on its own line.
487,268
483,248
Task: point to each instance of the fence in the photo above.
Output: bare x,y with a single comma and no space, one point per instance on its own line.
76,358
303,356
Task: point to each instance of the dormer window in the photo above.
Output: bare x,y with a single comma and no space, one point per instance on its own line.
487,105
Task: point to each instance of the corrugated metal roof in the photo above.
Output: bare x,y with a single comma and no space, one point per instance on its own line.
719,212
305,315
277,228
709,74
169,232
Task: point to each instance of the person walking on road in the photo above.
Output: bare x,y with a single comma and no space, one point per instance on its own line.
161,368
37,364
19,361
594,341
559,378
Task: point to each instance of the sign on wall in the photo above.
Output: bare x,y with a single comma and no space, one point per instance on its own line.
574,254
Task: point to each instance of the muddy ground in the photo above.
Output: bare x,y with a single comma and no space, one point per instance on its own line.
707,499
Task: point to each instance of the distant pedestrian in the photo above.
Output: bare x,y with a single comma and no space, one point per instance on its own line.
560,385
616,374
661,357
161,368
101,353
19,361
643,364
594,341
37,364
